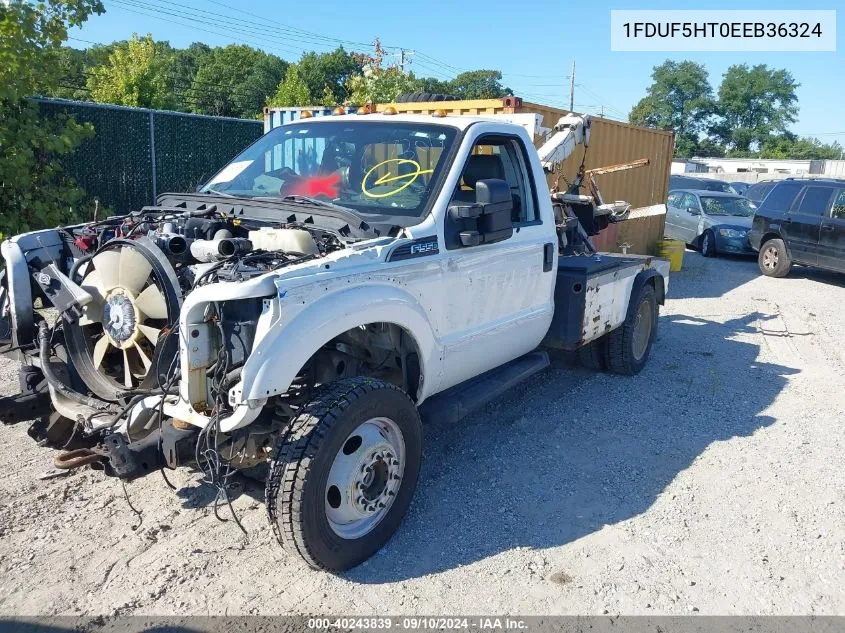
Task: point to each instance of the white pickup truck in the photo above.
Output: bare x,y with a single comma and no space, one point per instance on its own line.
340,280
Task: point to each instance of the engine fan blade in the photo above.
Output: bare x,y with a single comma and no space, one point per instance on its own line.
107,264
93,285
134,269
151,333
100,350
151,302
146,361
127,370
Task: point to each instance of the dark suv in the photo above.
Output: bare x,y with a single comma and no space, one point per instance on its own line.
800,222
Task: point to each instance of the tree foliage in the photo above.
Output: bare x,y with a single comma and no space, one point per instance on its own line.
790,146
680,98
327,74
478,84
292,91
235,80
749,116
755,104
34,191
379,82
137,74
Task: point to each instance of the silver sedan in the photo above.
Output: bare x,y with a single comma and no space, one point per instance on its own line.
713,221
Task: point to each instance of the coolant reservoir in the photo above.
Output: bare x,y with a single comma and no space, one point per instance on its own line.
287,240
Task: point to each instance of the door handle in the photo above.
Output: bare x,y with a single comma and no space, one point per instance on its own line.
548,257
787,220
827,227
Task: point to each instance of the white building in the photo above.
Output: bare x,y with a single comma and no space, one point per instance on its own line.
759,166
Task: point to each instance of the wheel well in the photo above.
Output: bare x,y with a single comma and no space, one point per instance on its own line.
767,237
771,235
379,350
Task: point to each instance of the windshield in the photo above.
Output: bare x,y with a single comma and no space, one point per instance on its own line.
727,206
377,168
716,185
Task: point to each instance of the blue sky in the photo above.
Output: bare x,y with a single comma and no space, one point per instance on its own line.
533,43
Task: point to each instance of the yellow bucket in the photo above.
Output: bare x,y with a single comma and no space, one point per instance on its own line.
673,250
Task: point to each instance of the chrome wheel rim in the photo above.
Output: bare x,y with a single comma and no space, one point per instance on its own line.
770,258
642,329
705,244
365,478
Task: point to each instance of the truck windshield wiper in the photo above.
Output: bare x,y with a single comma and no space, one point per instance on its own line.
316,202
215,192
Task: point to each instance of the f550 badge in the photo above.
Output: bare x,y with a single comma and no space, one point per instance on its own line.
418,248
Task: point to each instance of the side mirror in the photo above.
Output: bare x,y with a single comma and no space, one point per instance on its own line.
693,211
485,222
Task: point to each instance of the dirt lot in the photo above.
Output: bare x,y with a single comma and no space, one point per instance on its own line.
710,483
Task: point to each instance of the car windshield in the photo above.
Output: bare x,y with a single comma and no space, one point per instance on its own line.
373,168
716,185
727,206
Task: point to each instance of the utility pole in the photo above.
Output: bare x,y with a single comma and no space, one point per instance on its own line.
402,61
572,88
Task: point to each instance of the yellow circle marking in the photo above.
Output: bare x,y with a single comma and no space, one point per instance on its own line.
408,178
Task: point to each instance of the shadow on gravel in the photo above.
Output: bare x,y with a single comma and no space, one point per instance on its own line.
573,451
708,277
817,274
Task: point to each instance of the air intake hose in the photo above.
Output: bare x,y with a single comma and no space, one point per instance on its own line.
215,250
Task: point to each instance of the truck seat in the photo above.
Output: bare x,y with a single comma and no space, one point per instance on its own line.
478,167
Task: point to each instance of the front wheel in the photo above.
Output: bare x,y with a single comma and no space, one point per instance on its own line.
344,473
629,345
708,244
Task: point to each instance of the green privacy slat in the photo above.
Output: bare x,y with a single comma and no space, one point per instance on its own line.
115,165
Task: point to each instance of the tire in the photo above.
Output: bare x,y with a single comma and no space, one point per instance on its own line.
708,244
593,355
627,351
300,502
773,258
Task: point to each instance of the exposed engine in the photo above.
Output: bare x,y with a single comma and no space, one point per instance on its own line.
135,273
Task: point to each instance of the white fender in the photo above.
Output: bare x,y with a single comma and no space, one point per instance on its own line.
279,356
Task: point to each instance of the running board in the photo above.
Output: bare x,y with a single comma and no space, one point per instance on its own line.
459,401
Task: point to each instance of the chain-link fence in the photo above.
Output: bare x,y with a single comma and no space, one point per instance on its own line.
137,153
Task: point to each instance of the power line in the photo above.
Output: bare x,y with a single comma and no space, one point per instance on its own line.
249,27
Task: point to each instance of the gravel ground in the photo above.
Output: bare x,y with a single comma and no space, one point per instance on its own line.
710,483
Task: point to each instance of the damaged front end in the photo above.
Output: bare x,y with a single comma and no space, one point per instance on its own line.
132,332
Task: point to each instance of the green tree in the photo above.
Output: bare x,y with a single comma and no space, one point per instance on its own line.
479,84
790,146
292,91
184,64
434,86
378,82
328,73
236,80
34,192
681,98
136,74
755,103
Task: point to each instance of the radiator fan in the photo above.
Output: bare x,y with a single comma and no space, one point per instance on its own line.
114,346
